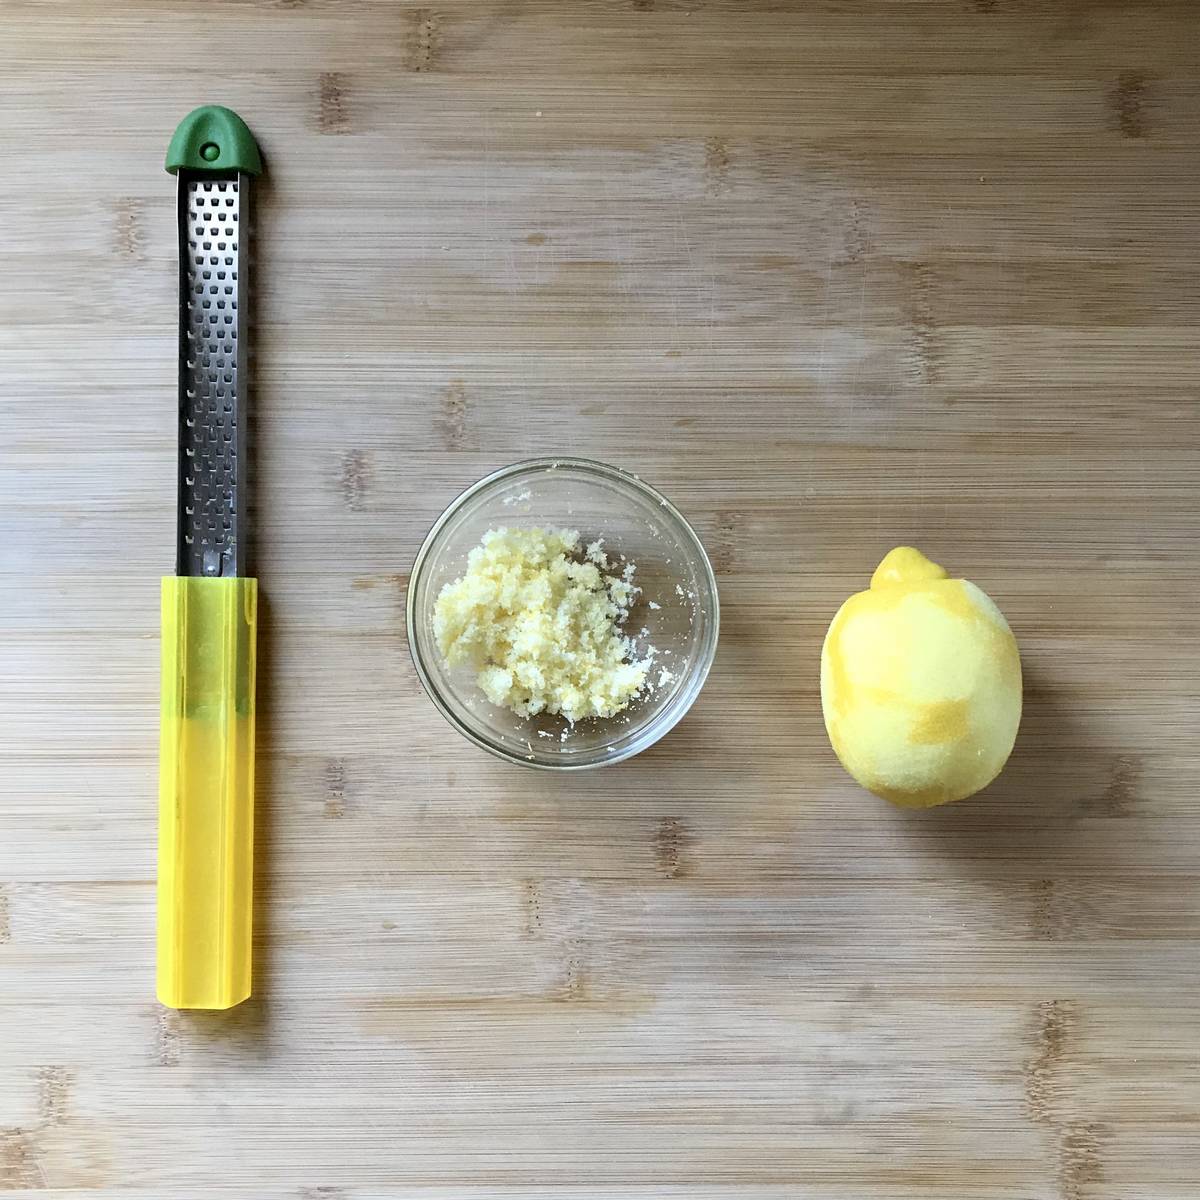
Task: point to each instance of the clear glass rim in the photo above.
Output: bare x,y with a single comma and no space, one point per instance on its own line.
661,725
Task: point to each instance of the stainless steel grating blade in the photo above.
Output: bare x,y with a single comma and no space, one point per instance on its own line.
213,527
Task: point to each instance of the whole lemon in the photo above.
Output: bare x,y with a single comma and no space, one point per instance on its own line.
920,684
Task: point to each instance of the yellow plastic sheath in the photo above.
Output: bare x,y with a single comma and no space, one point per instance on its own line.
206,791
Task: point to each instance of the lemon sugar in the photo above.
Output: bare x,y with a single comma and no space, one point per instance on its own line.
539,617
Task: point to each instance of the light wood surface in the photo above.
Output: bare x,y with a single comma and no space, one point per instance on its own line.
835,276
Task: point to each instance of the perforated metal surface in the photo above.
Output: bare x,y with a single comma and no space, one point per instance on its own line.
212,337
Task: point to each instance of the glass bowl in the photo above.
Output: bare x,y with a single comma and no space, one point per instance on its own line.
676,610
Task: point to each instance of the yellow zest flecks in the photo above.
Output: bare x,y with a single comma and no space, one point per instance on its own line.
539,619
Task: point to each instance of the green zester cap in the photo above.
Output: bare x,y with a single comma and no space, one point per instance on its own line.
212,138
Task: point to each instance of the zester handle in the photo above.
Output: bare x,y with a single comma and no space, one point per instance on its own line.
206,791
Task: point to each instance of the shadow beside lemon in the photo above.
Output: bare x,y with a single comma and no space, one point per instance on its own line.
920,684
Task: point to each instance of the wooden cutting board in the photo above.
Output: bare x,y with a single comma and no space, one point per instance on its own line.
835,277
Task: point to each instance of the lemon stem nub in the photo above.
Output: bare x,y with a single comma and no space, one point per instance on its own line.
905,565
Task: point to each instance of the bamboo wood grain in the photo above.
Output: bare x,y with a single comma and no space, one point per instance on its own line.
835,277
